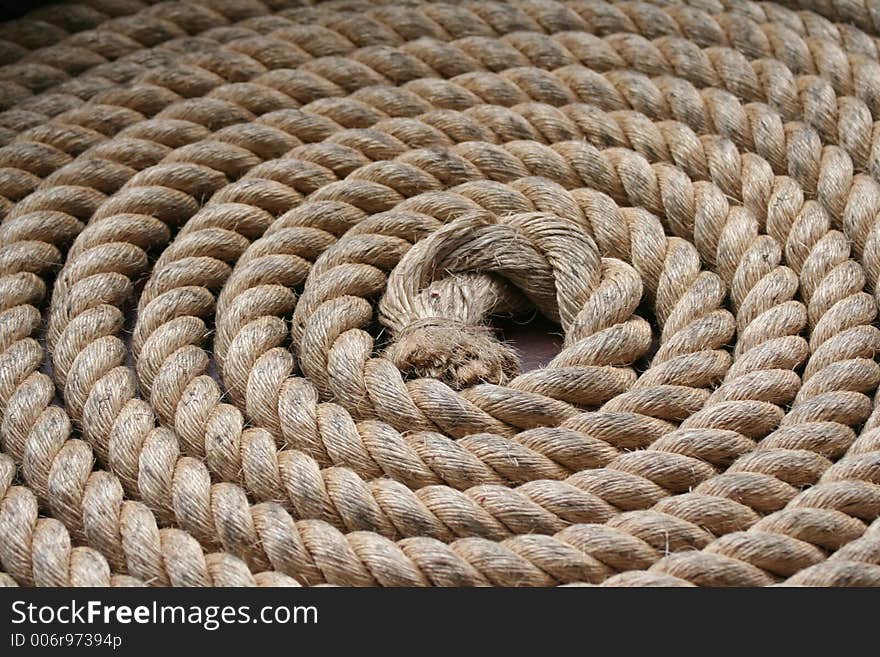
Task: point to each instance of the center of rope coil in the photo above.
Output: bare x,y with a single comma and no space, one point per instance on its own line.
440,296
287,170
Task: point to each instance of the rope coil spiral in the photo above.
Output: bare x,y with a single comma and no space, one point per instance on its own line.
250,254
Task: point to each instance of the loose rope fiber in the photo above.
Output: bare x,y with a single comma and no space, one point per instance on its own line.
251,254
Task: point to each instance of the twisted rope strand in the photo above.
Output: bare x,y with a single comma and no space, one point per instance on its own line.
859,237
428,167
376,58
39,551
862,15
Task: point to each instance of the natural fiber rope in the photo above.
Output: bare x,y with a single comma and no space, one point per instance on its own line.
688,188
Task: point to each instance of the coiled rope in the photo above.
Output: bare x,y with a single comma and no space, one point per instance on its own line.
250,252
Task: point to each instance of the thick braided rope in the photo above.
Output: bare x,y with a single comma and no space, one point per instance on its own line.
812,175
47,25
64,54
841,407
209,63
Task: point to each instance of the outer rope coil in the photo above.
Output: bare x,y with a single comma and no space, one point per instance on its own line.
689,190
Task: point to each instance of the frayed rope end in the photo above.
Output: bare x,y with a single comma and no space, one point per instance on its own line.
460,355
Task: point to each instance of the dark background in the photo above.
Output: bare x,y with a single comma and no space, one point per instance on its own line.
10,9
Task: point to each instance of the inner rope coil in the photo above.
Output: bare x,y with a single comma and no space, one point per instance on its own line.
250,255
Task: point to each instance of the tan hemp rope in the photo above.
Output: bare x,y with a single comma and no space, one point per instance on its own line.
434,458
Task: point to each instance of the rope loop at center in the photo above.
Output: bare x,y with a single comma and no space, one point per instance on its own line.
440,296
